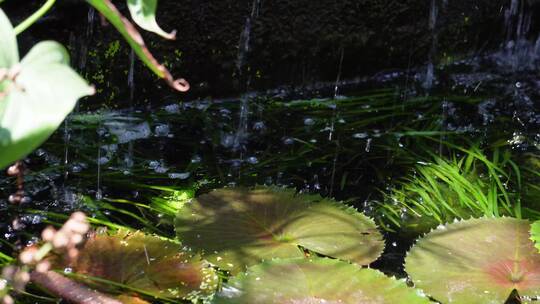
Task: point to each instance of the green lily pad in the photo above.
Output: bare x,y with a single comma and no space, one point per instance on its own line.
476,261
235,228
316,281
125,299
144,263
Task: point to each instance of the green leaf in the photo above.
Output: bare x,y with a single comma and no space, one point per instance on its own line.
43,92
535,234
9,54
144,263
126,299
316,281
476,261
235,228
135,40
143,13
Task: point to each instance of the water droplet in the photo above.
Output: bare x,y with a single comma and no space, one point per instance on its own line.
309,122
252,160
259,126
162,130
184,175
360,135
288,141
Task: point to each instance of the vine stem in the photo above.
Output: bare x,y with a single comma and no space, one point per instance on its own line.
34,17
70,290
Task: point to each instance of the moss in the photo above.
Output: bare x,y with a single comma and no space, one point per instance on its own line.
112,49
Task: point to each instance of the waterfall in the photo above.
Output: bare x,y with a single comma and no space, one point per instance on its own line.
430,70
81,56
245,36
128,158
517,20
518,52
86,40
242,134
131,78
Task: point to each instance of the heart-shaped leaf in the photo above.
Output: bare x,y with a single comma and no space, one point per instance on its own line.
316,281
36,94
235,228
143,13
476,261
144,263
9,53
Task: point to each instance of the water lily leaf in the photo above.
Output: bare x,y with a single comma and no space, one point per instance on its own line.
42,92
235,228
316,281
476,261
135,40
131,300
143,13
9,53
145,263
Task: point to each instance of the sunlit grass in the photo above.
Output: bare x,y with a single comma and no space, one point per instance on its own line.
444,189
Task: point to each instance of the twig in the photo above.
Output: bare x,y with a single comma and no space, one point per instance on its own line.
34,17
70,290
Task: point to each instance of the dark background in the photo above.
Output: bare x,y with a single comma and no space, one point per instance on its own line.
291,43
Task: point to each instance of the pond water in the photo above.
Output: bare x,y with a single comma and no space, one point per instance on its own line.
354,140
351,140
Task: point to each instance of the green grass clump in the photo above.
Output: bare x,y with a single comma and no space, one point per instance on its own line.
451,188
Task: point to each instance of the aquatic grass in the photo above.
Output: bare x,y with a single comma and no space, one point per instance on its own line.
457,187
57,219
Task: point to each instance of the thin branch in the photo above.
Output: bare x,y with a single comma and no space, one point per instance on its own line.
34,17
70,290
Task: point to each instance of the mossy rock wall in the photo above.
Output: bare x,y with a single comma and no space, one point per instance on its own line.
291,42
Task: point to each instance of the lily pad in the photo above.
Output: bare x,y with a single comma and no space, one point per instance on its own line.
314,281
125,299
476,261
146,264
235,228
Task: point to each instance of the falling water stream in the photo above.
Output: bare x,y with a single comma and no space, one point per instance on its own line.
430,70
242,133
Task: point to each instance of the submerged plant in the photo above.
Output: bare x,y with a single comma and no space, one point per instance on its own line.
459,188
316,280
476,261
235,228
